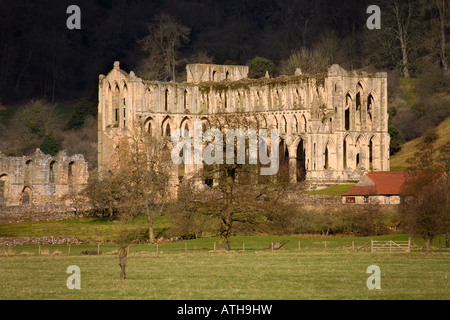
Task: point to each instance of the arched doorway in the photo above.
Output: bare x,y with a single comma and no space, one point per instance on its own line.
301,162
283,157
4,189
27,196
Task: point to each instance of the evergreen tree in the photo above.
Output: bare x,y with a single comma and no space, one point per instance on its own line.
49,145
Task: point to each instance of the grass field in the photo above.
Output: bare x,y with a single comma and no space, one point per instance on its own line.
331,191
193,270
88,229
398,160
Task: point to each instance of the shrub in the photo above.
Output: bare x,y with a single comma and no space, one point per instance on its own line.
83,109
259,66
49,145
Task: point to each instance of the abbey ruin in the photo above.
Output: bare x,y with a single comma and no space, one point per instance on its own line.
333,126
41,179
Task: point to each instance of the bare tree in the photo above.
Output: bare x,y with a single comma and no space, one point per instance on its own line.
238,194
137,184
426,209
146,173
442,6
403,16
166,37
308,60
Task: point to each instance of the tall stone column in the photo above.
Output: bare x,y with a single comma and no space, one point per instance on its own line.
292,169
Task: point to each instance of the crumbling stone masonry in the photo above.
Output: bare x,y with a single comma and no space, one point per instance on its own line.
41,179
333,126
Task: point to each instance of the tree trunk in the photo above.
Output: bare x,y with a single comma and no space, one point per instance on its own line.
123,261
111,213
443,58
151,233
405,70
402,35
427,244
225,232
227,217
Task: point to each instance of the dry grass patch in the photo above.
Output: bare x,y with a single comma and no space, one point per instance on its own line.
27,253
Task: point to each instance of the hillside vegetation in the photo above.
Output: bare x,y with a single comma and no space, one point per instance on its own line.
399,160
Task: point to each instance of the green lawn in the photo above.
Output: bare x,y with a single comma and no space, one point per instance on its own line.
331,191
88,229
173,273
307,267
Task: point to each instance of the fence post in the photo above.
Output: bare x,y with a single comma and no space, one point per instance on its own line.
214,246
39,249
271,245
69,249
325,245
371,245
299,246
98,248
243,247
353,245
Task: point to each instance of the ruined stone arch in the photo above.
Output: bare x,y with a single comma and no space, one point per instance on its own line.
124,102
166,99
237,100
273,122
149,98
52,172
370,107
330,158
348,109
359,103
361,152
302,96
294,124
150,126
167,127
261,122
116,104
283,159
321,94
299,149
374,150
347,152
295,97
277,102
257,99
284,124
206,124
186,124
303,124
108,111
185,99
4,188
28,174
70,172
26,197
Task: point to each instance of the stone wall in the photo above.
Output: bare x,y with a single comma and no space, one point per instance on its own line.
41,179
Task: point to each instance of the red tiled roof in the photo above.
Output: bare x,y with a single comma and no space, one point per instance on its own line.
384,183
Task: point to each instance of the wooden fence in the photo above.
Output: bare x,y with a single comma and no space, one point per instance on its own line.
390,246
